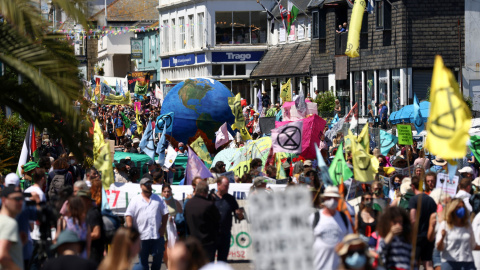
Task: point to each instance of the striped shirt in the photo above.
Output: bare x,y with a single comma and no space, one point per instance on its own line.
395,255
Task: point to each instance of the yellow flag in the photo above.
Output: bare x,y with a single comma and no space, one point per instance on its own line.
450,118
103,163
349,139
168,81
236,106
365,166
244,134
353,42
98,140
364,138
201,149
139,123
286,92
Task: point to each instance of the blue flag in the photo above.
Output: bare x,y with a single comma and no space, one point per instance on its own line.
164,121
417,115
116,88
105,89
387,141
161,146
147,142
370,6
323,173
334,121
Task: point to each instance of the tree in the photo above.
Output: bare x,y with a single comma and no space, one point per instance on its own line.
325,103
48,67
12,135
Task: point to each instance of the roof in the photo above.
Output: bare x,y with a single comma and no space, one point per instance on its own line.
320,3
131,10
284,60
300,4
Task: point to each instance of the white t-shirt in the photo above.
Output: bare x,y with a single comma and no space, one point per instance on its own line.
147,216
35,235
328,233
458,243
476,231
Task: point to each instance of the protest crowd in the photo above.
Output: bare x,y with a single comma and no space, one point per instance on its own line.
392,203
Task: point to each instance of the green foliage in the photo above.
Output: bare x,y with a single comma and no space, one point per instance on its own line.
325,102
12,135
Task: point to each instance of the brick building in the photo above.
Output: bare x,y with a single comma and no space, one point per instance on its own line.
398,43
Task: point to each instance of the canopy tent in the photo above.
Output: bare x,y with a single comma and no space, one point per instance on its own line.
405,114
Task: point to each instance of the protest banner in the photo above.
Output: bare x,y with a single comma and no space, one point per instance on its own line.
143,77
282,235
405,134
290,113
447,185
405,171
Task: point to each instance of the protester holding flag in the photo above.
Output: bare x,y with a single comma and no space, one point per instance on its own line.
366,219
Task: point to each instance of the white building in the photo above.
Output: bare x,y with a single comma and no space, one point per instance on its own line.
471,67
223,40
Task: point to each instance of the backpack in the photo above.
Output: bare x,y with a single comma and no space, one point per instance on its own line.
316,219
475,202
405,200
57,183
111,223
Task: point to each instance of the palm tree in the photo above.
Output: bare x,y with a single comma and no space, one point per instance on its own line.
48,66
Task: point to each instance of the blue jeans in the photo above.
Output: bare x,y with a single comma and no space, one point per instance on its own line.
458,265
154,247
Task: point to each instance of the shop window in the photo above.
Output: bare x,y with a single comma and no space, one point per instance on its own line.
165,36
241,70
383,15
382,86
322,84
322,31
369,91
228,70
357,89
395,102
217,70
240,27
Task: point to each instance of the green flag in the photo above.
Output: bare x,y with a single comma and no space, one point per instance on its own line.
475,146
292,16
125,120
339,170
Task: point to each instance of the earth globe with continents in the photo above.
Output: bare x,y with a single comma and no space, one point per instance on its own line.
198,104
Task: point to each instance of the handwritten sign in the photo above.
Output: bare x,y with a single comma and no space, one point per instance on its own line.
282,235
405,134
447,185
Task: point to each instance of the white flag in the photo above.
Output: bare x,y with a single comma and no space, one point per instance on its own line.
159,94
170,157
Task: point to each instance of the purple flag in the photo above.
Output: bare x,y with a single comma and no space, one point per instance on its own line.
195,167
288,138
259,96
221,136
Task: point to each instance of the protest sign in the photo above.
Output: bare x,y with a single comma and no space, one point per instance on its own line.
282,235
266,124
384,180
405,134
447,185
230,175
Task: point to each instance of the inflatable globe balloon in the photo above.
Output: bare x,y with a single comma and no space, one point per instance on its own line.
198,104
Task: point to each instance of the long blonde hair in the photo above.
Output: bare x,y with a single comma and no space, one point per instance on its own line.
119,256
450,214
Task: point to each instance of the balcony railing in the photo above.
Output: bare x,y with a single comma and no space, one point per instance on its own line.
341,43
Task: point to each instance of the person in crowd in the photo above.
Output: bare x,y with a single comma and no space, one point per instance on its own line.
259,185
148,213
254,125
90,175
11,256
125,247
256,167
464,189
188,254
340,29
384,115
428,206
379,200
58,178
75,169
135,144
27,170
121,173
271,171
476,230
354,253
218,169
430,182
329,228
78,186
419,171
312,179
174,208
370,115
455,238
338,108
94,221
395,183
466,172
439,165
203,219
442,199
158,178
395,246
422,160
69,248
182,151
345,26
266,102
227,207
366,219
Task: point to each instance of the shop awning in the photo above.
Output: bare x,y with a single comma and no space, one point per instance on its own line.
284,61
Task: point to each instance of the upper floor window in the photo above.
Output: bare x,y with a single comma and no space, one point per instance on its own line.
383,15
240,27
200,27
191,32
315,26
173,36
165,42
181,24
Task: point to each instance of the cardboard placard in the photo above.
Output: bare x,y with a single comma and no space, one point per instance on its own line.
405,134
447,185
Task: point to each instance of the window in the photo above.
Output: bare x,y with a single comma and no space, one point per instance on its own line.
200,29
370,93
315,26
357,88
174,35
395,104
191,32
383,15
152,48
165,41
240,70
382,86
181,24
364,32
217,70
228,70
157,42
240,27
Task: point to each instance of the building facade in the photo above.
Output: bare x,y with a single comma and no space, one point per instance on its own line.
223,40
150,60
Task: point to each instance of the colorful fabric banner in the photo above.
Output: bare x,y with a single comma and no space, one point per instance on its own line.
323,173
29,149
475,146
417,115
201,149
159,94
236,107
103,164
98,140
140,89
353,42
339,170
260,103
286,92
288,138
147,142
195,167
138,122
245,134
105,89
364,138
162,120
125,120
153,101
365,166
221,136
450,118
292,17
387,141
161,146
331,133
137,106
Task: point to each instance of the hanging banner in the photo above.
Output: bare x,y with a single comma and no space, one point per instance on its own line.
136,48
142,77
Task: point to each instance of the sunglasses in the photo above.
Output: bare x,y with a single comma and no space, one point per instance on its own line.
17,198
148,184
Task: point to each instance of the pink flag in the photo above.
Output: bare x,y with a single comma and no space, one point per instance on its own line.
288,138
138,106
221,136
195,167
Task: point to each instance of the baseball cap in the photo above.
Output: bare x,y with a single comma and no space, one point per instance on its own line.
12,179
66,237
9,190
84,193
466,170
150,162
331,191
136,140
307,163
259,180
145,180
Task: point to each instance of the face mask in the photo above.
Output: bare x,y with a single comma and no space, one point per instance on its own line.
460,212
259,169
180,148
168,199
307,180
369,204
376,192
71,162
331,204
356,260
396,185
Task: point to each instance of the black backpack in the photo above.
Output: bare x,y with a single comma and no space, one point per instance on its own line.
57,183
475,202
111,223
